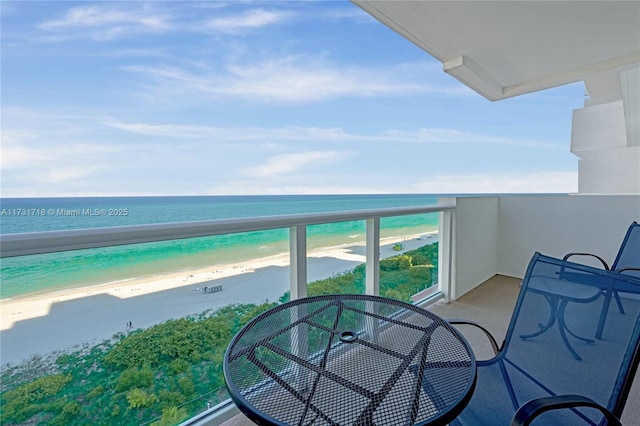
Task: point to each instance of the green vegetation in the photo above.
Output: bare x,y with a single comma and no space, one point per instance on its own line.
171,371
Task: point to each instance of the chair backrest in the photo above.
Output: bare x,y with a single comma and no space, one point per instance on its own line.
545,352
629,253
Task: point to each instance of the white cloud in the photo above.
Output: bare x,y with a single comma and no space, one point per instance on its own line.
290,163
534,182
295,79
111,20
137,53
29,165
351,13
20,156
53,176
441,135
325,134
250,19
537,182
16,155
106,22
261,134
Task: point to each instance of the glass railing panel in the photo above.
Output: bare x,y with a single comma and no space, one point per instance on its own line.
84,268
335,258
129,334
409,256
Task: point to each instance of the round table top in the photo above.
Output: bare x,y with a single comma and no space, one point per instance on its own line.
349,360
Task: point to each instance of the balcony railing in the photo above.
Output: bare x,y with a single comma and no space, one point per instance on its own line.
13,245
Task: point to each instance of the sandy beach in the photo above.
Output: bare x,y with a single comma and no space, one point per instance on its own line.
63,320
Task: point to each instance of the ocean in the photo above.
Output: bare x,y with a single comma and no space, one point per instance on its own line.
26,275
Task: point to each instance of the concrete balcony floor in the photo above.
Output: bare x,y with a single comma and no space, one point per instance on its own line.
491,305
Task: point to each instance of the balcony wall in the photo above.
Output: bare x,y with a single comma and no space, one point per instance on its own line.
499,234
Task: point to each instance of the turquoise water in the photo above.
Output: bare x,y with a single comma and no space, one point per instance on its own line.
40,273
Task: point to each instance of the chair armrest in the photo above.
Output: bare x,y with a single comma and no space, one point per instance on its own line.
566,257
627,269
530,410
492,340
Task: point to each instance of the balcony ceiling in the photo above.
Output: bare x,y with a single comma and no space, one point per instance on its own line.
502,49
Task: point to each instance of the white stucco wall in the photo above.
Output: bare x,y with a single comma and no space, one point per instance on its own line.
557,225
498,235
475,243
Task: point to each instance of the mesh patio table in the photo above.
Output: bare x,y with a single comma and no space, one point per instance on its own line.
349,360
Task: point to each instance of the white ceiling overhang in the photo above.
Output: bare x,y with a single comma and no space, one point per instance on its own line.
502,49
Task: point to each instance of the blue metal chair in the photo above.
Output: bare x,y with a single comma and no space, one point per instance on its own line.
627,262
628,258
546,372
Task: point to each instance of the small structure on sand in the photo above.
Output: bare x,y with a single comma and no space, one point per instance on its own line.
214,289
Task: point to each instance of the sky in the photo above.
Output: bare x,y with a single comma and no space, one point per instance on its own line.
117,98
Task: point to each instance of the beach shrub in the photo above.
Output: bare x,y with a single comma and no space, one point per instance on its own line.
285,297
420,274
115,411
178,366
185,338
139,398
39,388
186,386
95,392
69,411
419,259
345,283
20,402
168,398
396,285
395,263
389,264
254,311
404,262
64,359
134,378
171,416
394,294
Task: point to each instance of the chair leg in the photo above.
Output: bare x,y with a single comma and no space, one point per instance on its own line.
553,316
557,311
618,301
562,326
605,309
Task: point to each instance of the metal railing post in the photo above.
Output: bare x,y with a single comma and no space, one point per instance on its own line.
298,261
372,271
446,252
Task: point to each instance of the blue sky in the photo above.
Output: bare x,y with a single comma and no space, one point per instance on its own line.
207,98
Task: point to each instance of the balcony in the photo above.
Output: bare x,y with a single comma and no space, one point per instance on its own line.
491,305
485,245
